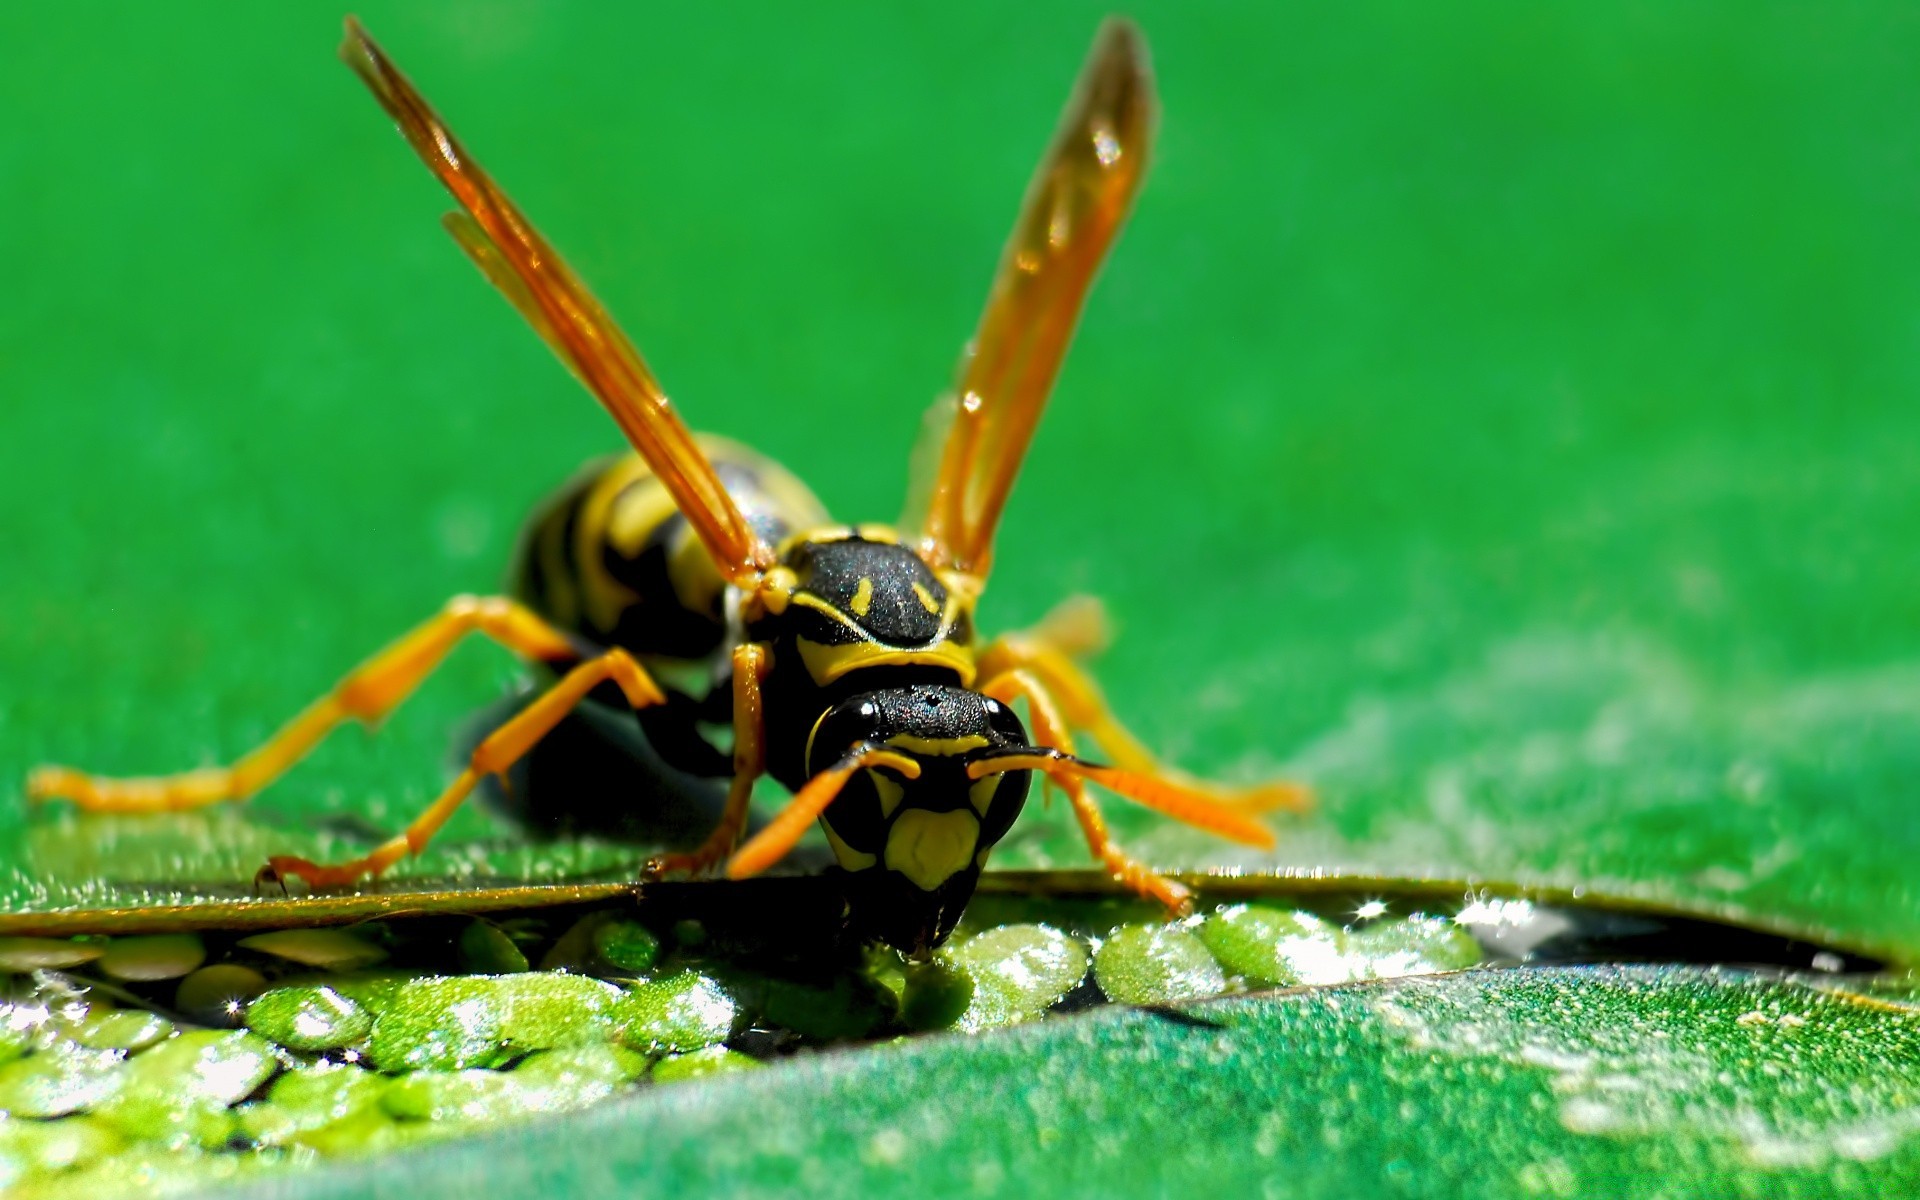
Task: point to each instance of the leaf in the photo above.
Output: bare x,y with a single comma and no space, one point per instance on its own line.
1528,1082
1594,583
749,974
188,871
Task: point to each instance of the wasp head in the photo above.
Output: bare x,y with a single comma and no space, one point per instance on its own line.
913,830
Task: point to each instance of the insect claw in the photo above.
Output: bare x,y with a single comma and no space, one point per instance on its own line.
685,865
267,877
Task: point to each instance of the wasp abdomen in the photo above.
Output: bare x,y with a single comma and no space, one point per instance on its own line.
611,558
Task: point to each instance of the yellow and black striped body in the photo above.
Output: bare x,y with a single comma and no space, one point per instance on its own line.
870,647
867,645
610,558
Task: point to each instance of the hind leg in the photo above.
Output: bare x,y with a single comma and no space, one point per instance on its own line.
600,773
1047,653
367,694
1050,729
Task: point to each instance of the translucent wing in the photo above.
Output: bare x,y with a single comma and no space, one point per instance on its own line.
553,300
1079,198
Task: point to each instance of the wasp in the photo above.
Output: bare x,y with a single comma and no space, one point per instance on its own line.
845,657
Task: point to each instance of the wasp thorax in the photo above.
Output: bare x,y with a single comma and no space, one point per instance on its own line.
867,590
919,841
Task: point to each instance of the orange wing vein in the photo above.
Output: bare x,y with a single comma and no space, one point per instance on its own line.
513,255
1074,208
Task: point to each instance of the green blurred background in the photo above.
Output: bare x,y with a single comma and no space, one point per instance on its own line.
1502,415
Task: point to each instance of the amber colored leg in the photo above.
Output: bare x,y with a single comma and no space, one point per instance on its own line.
1046,652
1077,627
501,749
750,664
771,844
1050,729
369,693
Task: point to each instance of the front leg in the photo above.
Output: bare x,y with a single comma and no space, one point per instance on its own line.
1050,729
501,749
751,662
1047,652
368,694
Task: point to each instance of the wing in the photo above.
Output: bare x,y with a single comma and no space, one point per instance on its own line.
545,290
977,436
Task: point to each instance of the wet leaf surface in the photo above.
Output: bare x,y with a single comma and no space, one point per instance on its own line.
1594,592
348,1053
1675,1082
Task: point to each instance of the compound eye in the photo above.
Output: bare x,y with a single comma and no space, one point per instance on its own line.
1006,726
845,725
999,809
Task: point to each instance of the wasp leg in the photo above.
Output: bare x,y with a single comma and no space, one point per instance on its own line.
750,664
369,693
1047,652
1050,729
499,751
771,844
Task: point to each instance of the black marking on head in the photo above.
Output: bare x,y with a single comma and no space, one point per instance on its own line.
856,815
942,729
884,906
871,585
927,712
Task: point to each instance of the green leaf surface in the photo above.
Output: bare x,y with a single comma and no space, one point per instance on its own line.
1570,1082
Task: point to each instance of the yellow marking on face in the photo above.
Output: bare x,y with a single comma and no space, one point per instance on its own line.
828,663
930,847
926,598
872,532
980,795
849,858
815,732
863,597
891,792
937,747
